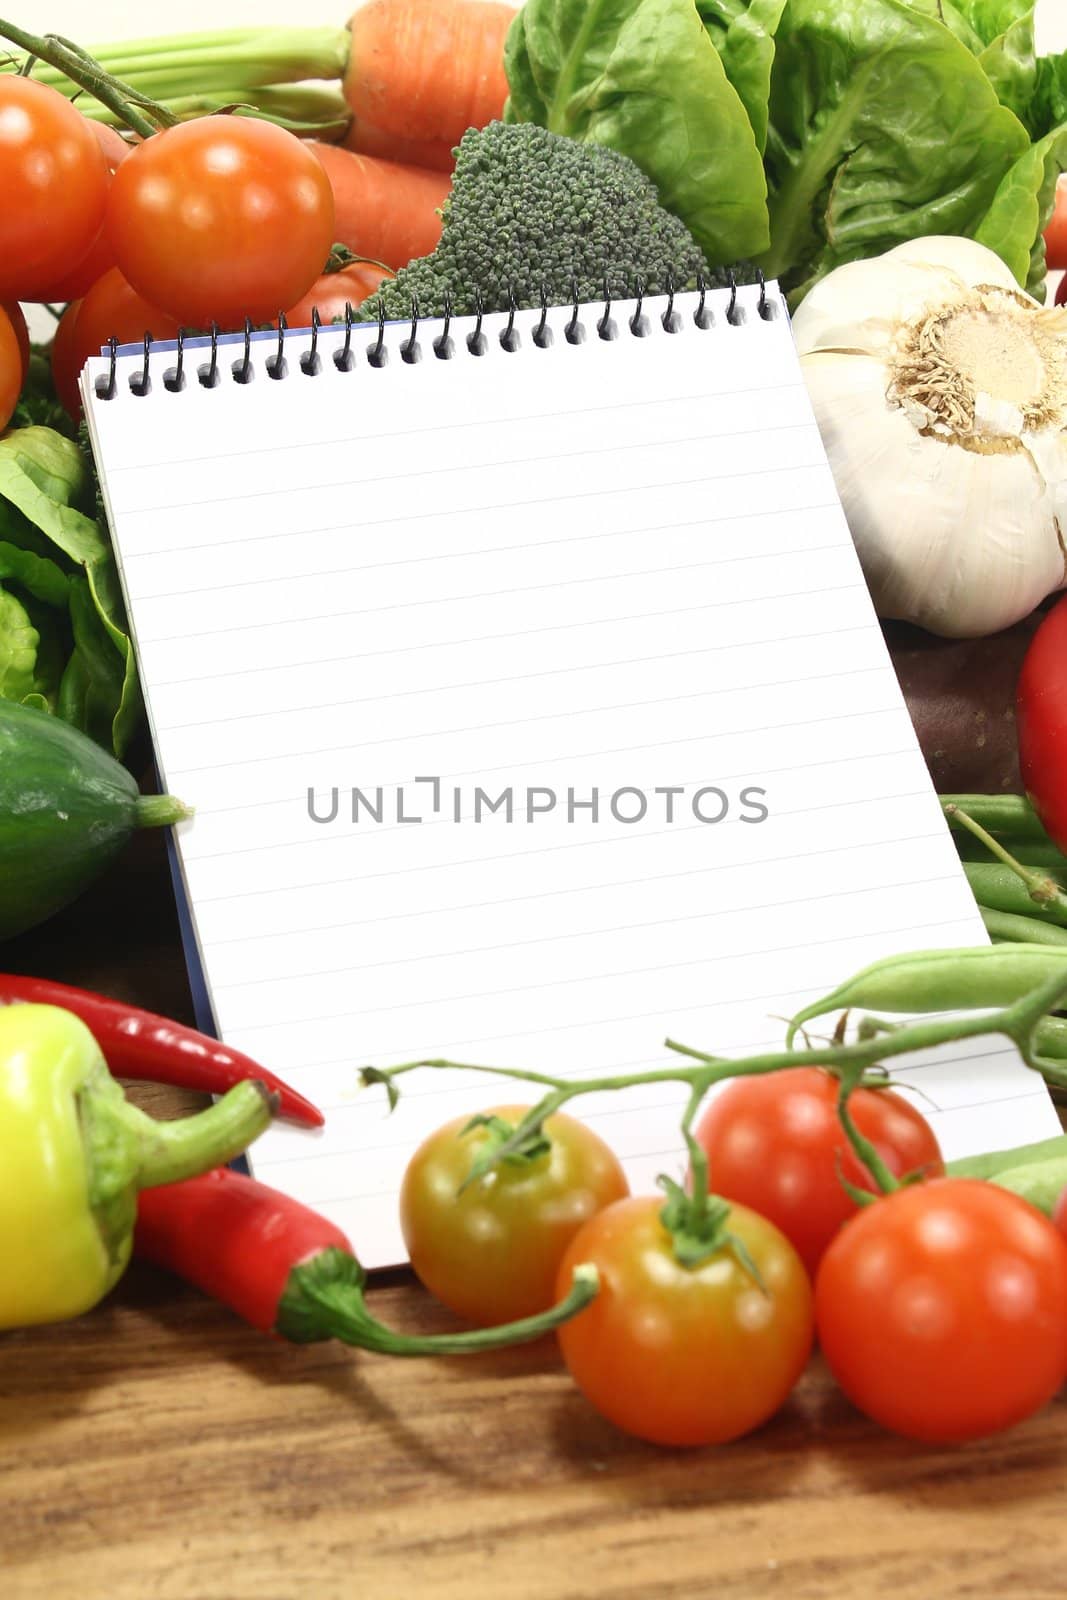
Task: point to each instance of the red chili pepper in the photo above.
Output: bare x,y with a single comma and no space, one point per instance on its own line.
148,1048
290,1272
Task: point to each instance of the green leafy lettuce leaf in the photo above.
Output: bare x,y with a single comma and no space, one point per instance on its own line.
1019,213
742,31
644,78
64,645
883,127
1049,109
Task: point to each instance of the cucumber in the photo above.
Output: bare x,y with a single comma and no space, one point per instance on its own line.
66,810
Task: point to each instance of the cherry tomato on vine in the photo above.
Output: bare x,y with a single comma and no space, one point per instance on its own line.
1041,715
111,308
221,218
493,1252
776,1143
11,373
13,311
79,276
330,293
53,183
686,1355
942,1310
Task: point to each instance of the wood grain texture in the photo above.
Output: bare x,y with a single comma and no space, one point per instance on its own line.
157,1449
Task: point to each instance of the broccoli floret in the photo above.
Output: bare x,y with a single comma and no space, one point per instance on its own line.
529,208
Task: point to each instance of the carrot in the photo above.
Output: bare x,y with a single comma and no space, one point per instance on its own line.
371,141
383,209
428,69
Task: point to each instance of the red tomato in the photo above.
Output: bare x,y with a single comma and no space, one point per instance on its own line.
1061,292
53,179
111,308
73,282
64,374
685,1355
221,218
1056,232
1041,714
775,1143
10,369
493,1252
942,1310
14,314
330,293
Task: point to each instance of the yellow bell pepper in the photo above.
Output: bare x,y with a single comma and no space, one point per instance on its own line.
74,1153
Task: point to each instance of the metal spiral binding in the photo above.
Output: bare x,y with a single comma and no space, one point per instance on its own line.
443,345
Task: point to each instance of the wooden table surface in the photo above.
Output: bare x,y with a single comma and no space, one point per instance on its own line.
157,1449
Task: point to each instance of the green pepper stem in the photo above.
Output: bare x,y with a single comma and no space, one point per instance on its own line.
324,1300
168,1152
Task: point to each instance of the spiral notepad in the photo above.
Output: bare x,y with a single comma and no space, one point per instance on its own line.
524,680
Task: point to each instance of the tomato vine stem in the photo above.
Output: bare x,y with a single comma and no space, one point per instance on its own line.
877,1039
133,109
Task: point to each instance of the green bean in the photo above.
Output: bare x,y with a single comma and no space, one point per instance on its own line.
1027,930
1041,1184
991,1162
1052,1038
942,980
997,813
1041,855
998,888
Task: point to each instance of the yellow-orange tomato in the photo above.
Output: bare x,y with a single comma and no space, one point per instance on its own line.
492,1252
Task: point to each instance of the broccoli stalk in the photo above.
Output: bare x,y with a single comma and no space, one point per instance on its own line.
532,212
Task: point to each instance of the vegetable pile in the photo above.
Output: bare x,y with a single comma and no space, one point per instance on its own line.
895,163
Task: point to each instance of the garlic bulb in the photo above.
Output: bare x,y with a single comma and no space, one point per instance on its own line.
940,390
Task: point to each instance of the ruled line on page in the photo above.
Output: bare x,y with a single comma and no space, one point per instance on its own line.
293,930
356,529
627,972
479,505
479,422
440,471
556,586
673,920
487,638
551,716
472,861
481,683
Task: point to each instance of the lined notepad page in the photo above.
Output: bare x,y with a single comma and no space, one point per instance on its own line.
550,613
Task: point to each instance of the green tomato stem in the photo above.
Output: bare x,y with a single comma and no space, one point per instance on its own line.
88,75
305,110
878,1041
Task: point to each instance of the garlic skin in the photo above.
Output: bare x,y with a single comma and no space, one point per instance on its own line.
940,391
